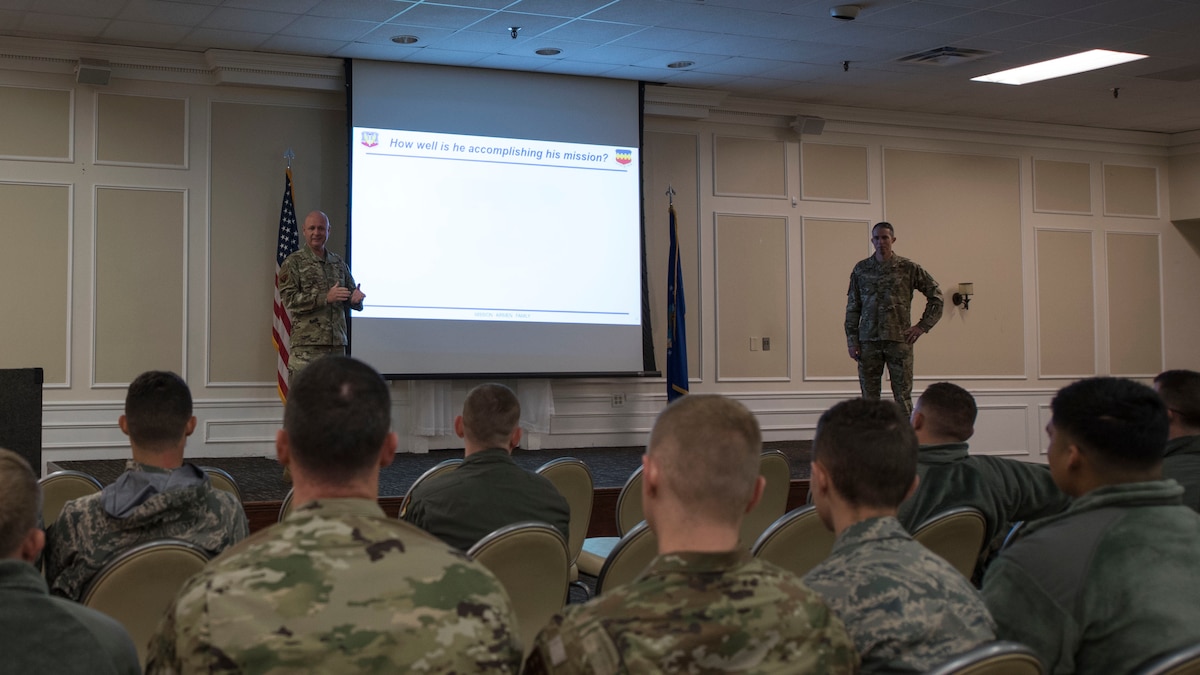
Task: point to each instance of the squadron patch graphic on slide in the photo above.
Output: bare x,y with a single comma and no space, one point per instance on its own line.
624,156
370,138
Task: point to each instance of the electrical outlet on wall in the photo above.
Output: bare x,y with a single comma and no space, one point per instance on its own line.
766,344
618,400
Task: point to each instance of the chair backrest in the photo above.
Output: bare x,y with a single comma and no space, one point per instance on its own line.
629,503
286,507
993,658
437,470
798,541
956,535
136,586
629,557
573,480
221,480
1185,661
775,469
61,487
530,560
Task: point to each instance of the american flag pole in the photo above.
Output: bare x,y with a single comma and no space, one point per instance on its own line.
288,243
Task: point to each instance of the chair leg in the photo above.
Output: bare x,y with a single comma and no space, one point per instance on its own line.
587,593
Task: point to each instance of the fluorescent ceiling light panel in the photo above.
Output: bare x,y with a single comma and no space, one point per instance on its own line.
1066,65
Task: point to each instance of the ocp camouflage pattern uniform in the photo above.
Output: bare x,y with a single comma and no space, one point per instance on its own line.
85,536
698,612
318,328
878,311
1182,465
338,587
906,608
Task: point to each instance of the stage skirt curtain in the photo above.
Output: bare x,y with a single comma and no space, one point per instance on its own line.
435,404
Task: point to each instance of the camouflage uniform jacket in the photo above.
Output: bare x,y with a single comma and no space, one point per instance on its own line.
338,587
1004,490
1182,465
86,534
304,280
485,493
1105,586
43,634
879,300
698,612
906,608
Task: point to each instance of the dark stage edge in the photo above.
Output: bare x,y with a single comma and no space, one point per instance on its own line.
259,477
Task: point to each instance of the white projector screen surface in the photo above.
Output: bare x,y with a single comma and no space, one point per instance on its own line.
490,235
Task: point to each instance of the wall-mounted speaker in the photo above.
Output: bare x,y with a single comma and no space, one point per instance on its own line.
93,71
808,125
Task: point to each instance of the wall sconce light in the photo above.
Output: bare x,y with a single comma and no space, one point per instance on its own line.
963,296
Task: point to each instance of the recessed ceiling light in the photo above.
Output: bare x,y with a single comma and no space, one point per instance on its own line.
1066,65
681,64
405,39
548,51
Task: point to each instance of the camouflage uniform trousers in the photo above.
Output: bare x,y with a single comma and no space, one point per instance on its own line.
299,356
899,359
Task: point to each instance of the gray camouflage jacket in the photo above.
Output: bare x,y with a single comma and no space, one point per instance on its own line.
906,608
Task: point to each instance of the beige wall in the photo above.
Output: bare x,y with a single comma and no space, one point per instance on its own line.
148,212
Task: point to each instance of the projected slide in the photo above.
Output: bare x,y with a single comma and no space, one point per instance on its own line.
475,228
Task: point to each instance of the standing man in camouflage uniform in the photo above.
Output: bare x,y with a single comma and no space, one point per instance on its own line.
703,604
878,316
316,288
338,587
159,495
906,608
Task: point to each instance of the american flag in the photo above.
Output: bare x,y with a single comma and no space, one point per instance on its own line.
281,323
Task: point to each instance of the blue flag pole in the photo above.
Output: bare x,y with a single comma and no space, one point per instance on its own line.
677,369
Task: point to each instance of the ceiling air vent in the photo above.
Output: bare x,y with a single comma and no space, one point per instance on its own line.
945,56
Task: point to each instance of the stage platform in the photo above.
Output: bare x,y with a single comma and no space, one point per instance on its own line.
263,490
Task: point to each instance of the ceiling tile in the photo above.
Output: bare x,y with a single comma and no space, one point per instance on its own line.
154,11
58,24
561,8
595,32
94,8
438,16
288,44
363,10
144,34
385,33
247,20
341,30
213,38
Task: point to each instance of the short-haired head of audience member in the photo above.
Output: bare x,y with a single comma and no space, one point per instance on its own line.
337,422
702,464
491,418
945,413
20,508
883,224
865,451
158,411
1180,391
1104,431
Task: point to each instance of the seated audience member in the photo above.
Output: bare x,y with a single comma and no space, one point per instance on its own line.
159,495
488,490
1004,490
703,605
1110,583
338,587
1180,391
41,633
906,608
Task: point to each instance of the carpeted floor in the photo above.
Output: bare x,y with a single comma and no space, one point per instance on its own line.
259,477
